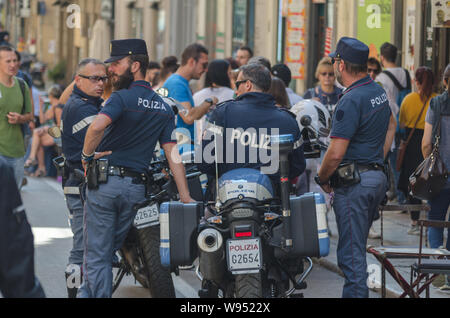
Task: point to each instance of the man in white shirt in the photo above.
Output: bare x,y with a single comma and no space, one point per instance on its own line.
388,57
392,73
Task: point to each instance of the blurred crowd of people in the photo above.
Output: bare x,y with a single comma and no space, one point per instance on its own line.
409,99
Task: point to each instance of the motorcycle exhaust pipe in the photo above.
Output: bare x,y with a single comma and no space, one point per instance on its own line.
285,145
211,254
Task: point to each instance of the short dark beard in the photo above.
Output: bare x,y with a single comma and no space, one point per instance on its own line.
124,81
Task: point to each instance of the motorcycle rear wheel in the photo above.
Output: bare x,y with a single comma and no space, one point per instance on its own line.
159,277
248,286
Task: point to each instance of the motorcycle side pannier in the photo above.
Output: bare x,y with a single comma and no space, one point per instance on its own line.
308,226
178,223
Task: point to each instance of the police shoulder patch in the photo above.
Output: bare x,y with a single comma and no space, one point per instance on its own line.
340,115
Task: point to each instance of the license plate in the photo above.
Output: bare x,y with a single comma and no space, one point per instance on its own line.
244,256
148,216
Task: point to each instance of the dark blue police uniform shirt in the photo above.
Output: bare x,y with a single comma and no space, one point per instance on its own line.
241,124
78,113
140,119
362,116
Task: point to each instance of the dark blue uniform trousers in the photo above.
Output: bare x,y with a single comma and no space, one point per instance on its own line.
75,206
108,216
355,208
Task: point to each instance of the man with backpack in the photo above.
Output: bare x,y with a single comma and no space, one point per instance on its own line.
396,81
15,110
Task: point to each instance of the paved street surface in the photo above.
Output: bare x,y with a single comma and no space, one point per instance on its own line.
47,214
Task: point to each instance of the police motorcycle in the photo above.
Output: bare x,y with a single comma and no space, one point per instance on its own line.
251,243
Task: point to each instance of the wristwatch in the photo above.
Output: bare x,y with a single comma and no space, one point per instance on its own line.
317,180
209,100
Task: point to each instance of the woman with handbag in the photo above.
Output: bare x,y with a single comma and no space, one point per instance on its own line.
437,126
412,117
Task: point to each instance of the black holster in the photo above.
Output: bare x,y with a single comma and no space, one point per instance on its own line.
346,175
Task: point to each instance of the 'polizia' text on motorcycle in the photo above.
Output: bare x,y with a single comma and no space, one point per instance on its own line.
254,243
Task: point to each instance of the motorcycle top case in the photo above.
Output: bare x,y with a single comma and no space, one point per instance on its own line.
309,227
178,224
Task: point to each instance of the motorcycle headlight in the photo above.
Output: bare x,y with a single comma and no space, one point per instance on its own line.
242,213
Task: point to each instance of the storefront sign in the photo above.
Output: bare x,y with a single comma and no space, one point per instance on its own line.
409,36
374,23
440,13
328,41
295,38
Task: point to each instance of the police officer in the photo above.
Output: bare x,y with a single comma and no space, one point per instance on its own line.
360,141
130,124
17,279
79,112
244,127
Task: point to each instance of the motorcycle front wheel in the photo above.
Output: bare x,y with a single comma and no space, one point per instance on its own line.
159,277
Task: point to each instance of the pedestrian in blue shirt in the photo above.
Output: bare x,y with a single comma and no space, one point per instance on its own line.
78,113
194,62
130,124
362,132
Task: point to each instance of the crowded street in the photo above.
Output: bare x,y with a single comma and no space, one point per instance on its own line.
216,149
44,201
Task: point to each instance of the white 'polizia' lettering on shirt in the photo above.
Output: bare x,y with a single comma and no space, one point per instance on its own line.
379,100
151,104
250,138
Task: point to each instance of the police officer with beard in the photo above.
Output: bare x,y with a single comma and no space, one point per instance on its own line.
130,124
362,132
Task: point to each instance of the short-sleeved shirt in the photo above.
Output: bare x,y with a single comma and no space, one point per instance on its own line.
11,137
410,110
362,116
243,128
431,118
78,113
140,119
179,90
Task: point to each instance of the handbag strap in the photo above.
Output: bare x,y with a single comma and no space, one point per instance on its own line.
417,121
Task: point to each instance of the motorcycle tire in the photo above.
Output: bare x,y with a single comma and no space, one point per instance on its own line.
159,277
248,286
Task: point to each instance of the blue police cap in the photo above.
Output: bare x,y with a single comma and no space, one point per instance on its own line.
123,48
351,50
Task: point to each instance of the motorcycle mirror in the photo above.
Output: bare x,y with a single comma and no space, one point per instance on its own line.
306,121
55,132
324,132
164,92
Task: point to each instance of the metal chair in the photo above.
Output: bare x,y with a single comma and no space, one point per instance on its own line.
425,265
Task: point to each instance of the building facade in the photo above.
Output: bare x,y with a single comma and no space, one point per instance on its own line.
296,32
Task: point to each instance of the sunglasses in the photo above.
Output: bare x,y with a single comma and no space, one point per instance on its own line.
372,70
335,59
95,79
238,83
329,74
